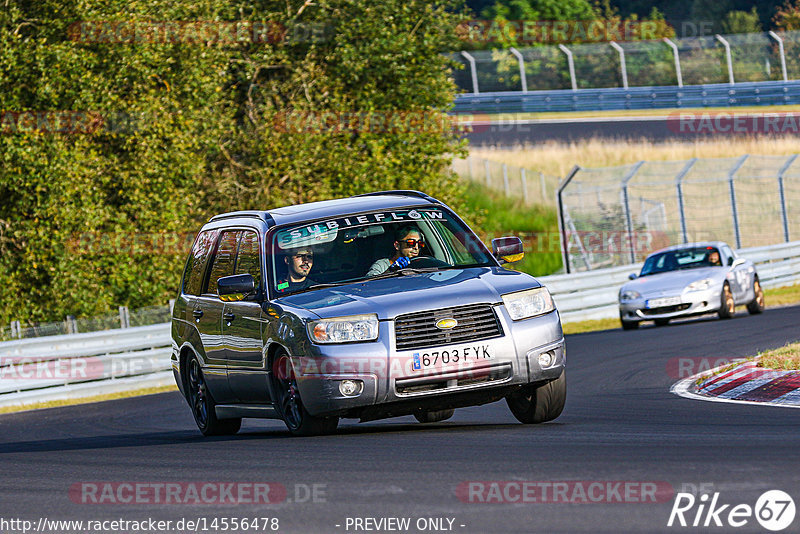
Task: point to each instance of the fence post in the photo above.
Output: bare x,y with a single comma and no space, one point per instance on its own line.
561,226
473,70
506,187
124,317
727,46
16,329
524,181
677,58
779,39
488,172
544,186
521,68
679,184
622,66
731,174
784,215
626,206
571,64
72,324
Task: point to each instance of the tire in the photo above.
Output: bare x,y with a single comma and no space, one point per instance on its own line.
628,325
532,405
727,307
757,305
203,405
434,416
290,405
662,322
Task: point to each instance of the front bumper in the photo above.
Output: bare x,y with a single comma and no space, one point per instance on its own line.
389,377
691,303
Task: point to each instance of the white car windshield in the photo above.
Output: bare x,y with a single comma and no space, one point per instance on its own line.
367,245
673,260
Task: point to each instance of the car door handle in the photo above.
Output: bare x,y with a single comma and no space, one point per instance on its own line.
197,313
228,316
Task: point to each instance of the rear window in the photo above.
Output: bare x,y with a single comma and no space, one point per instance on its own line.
196,266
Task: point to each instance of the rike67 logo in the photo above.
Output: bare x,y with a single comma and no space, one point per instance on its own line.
774,510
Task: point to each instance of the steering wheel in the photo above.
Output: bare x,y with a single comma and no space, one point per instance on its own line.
421,262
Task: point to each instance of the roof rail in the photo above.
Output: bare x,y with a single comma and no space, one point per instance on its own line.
406,192
261,215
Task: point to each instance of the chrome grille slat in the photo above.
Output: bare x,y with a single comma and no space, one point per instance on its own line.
418,330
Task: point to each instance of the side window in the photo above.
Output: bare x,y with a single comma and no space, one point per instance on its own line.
248,259
223,259
196,266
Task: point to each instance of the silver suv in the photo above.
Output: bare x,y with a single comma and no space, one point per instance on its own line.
368,307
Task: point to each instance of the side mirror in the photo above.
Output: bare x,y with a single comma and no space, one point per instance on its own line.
633,276
737,262
235,288
507,249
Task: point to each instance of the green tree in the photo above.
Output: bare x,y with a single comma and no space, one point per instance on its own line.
742,22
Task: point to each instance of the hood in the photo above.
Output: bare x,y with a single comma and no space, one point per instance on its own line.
390,297
674,281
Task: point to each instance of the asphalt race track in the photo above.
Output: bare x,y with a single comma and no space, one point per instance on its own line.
621,424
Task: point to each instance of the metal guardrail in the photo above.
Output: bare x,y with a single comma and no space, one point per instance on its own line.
80,365
770,93
593,294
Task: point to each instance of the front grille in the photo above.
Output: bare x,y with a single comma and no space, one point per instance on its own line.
419,330
466,378
665,309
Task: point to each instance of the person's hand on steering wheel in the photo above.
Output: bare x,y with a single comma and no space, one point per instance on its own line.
400,263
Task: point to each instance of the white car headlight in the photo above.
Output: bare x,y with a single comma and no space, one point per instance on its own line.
629,294
344,329
529,303
699,285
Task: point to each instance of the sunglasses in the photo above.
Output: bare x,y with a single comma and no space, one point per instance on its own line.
411,243
307,257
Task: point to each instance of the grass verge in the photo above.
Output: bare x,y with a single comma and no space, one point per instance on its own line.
499,215
87,400
784,358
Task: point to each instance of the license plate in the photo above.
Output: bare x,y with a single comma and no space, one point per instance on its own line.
459,355
660,303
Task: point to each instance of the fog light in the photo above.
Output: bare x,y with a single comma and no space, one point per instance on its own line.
546,359
349,388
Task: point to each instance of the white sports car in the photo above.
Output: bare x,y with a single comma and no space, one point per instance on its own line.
691,279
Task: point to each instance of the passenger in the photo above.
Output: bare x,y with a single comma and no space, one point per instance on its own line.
713,259
299,262
407,244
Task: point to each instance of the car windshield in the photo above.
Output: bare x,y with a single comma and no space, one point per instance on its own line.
366,245
688,258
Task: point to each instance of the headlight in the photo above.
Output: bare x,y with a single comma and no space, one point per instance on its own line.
700,285
344,329
528,303
629,294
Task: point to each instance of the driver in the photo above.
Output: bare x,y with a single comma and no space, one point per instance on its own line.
713,258
299,262
407,245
